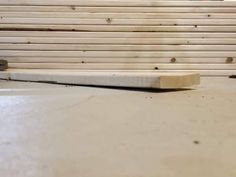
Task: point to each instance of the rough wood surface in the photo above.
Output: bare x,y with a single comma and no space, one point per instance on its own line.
110,34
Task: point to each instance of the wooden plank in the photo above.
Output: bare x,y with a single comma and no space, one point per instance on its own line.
121,3
5,75
96,9
121,66
148,41
75,34
118,79
113,21
96,15
117,54
117,60
115,47
119,28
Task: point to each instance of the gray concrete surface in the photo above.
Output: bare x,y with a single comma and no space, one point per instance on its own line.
57,131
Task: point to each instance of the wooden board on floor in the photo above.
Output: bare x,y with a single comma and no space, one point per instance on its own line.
162,80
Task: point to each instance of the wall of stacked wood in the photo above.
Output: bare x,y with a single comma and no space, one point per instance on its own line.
119,35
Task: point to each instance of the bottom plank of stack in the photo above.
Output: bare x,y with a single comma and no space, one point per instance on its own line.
162,80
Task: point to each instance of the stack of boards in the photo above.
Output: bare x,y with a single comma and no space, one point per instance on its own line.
129,42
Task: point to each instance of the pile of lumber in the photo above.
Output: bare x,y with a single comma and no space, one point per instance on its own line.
120,35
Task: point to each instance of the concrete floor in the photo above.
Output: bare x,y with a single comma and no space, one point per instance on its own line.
57,131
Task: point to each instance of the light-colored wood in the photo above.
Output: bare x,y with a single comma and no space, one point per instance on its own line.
214,73
75,34
120,35
121,3
107,54
102,15
119,28
122,66
116,60
147,41
5,75
114,21
95,9
118,79
116,47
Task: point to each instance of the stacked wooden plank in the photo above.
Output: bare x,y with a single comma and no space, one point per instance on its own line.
126,35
